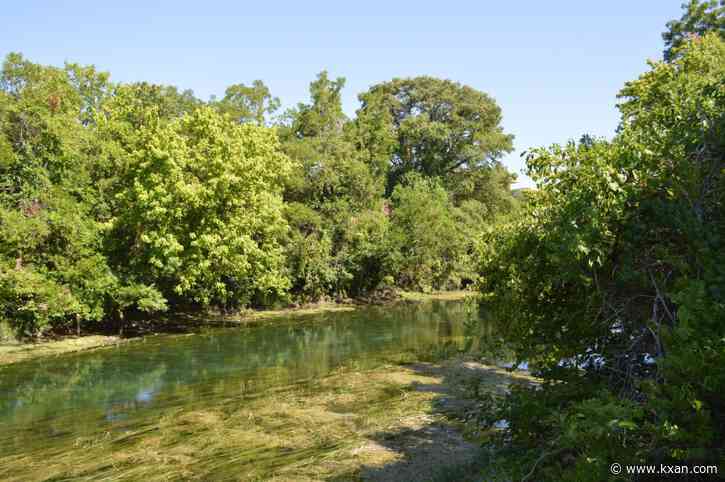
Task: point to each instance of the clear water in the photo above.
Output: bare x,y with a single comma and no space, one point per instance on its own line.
47,404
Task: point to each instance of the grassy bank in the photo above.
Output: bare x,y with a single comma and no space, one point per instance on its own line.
16,351
436,295
13,352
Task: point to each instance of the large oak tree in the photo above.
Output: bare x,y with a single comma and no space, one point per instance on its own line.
434,126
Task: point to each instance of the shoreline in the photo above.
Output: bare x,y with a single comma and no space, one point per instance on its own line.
16,352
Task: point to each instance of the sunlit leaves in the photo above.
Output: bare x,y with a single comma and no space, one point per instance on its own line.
610,282
202,211
431,126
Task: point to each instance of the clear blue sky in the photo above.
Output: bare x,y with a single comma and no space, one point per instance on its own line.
553,66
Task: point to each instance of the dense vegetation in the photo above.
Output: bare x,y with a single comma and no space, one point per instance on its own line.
123,199
118,200
610,281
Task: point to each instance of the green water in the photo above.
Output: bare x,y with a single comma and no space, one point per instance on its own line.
48,405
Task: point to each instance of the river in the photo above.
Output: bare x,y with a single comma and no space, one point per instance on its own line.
222,402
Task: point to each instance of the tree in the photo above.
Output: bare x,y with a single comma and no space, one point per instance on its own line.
610,282
699,18
124,198
439,126
92,86
427,240
200,210
374,136
335,204
40,109
489,186
139,103
53,272
331,175
324,116
249,103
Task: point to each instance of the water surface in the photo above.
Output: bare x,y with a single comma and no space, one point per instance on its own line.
48,405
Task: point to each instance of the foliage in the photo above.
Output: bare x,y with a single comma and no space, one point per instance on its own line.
349,243
309,254
200,213
490,186
431,126
610,282
324,115
53,274
339,236
700,17
124,198
428,239
249,103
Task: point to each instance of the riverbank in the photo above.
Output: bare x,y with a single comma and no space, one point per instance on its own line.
14,352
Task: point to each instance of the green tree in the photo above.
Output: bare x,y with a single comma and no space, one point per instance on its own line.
699,18
309,256
610,282
92,86
249,103
489,186
440,127
200,210
53,272
139,98
324,115
335,200
427,239
331,176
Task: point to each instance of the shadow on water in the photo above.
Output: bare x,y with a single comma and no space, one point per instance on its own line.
433,448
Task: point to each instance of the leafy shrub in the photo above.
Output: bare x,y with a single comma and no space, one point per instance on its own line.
610,282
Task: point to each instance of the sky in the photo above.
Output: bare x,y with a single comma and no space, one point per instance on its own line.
554,67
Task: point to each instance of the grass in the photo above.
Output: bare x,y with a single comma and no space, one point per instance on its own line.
377,424
436,295
13,352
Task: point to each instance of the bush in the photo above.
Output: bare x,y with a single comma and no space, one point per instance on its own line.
611,282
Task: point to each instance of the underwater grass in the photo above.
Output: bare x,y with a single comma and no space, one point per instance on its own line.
305,432
352,425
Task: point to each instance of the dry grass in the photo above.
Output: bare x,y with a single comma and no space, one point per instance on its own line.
436,295
17,352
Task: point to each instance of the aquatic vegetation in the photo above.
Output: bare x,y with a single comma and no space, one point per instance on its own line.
315,396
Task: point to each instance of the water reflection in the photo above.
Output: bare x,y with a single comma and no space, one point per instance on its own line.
108,390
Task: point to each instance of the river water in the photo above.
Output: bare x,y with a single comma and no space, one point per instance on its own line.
57,413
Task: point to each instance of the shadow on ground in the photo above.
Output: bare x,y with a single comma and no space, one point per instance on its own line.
432,447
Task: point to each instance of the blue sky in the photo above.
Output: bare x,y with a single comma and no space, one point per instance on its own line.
554,67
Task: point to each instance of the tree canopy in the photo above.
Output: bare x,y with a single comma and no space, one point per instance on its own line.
249,103
120,199
200,210
435,127
699,18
